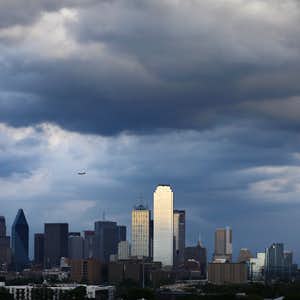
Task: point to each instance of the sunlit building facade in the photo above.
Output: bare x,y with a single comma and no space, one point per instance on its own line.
140,231
163,210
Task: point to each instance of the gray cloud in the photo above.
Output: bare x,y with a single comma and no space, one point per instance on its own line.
143,66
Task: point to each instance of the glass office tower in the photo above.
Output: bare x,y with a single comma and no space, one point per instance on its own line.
179,236
163,242
20,238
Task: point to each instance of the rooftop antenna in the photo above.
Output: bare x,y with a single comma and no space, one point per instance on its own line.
103,215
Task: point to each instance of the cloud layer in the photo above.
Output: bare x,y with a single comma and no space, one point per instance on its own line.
204,95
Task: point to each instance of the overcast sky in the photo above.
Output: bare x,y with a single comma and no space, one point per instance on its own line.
201,94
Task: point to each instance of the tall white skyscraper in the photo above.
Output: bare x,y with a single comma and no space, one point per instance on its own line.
140,231
163,241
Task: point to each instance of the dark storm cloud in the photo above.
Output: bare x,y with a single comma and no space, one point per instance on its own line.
141,66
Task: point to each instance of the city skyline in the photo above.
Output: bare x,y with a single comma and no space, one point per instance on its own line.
102,100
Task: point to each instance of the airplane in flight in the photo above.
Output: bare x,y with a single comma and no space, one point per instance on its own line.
81,173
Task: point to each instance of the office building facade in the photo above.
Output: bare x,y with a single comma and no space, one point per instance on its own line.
163,236
56,243
179,236
75,247
140,231
106,240
20,241
89,240
39,246
223,245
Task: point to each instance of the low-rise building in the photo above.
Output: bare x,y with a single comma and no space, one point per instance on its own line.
224,273
29,292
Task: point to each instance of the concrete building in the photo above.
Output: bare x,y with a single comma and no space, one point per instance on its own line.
256,267
244,255
123,250
56,243
227,273
140,231
179,236
75,247
5,250
88,247
39,248
163,236
86,270
198,254
223,244
28,292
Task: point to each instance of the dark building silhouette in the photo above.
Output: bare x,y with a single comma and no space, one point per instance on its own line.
56,243
5,250
121,233
2,226
197,254
106,240
39,246
20,238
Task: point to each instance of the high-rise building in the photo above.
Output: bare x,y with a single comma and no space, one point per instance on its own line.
278,263
122,233
163,210
89,238
123,250
5,250
106,240
75,247
197,253
140,231
39,245
20,240
244,255
223,244
56,243
179,236
257,266
2,226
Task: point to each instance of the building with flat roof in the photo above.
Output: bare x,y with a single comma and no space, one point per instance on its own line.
227,273
163,219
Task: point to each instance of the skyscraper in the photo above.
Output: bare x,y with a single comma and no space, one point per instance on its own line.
2,226
274,264
140,231
122,233
39,245
75,247
163,225
5,250
56,243
179,236
89,240
223,244
106,240
20,238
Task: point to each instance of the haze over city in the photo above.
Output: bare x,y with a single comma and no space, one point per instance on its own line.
201,95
